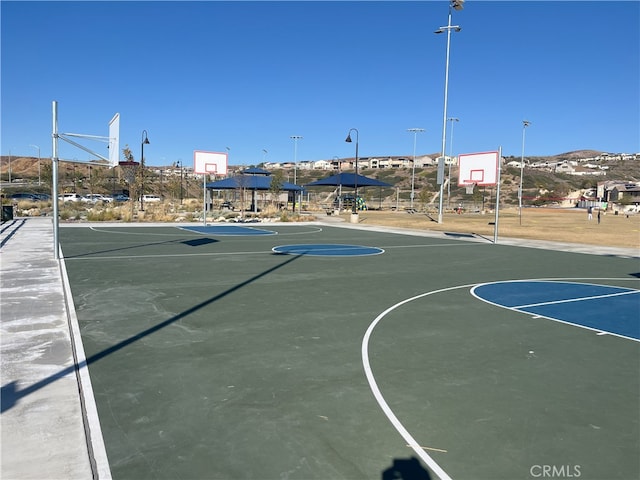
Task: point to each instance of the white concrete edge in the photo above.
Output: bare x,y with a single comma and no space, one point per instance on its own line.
95,442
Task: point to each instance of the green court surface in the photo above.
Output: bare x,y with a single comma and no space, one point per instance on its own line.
213,357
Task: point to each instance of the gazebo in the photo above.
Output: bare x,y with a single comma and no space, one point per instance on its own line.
253,179
349,180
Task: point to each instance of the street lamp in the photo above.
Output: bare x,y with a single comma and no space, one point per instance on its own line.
145,141
179,162
453,5
354,210
415,132
295,139
451,119
37,147
525,124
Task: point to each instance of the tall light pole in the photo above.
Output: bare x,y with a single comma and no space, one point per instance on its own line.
38,148
451,119
415,132
295,139
525,124
145,141
453,5
354,210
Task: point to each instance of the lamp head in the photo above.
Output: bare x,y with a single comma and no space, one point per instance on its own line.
146,141
457,4
439,31
458,29
526,123
348,139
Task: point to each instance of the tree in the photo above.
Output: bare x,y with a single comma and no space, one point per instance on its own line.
275,187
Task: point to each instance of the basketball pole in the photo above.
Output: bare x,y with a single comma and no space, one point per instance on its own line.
495,223
54,179
204,198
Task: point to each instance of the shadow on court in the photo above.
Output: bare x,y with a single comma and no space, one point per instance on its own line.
406,469
195,242
10,394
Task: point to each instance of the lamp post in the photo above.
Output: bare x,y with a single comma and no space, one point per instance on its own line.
264,156
415,132
295,139
455,5
525,124
145,141
451,119
354,210
179,162
38,148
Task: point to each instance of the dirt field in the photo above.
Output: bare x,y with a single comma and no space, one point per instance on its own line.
560,225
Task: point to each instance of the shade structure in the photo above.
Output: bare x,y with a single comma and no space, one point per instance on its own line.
250,182
255,171
348,180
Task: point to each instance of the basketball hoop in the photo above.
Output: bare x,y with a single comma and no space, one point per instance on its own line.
129,170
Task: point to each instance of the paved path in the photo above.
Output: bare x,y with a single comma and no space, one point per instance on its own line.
50,427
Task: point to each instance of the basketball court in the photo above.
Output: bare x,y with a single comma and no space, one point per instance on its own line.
317,351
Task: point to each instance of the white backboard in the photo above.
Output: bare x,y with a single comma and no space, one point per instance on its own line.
478,168
114,140
209,163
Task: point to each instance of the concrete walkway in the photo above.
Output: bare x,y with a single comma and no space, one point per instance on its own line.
49,423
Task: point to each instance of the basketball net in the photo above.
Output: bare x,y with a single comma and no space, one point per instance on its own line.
469,188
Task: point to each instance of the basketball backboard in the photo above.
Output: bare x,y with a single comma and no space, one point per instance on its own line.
478,168
209,163
114,140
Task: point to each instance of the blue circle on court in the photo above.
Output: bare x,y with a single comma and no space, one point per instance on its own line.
327,250
227,229
603,308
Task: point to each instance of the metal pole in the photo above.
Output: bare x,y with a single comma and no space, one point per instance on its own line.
54,179
413,167
495,228
444,115
451,119
181,193
457,4
145,139
525,124
295,170
204,200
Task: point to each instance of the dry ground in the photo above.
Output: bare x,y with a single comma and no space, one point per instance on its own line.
560,225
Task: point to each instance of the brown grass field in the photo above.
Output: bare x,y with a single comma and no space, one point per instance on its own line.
559,225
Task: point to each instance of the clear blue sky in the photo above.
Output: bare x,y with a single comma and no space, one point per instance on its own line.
248,75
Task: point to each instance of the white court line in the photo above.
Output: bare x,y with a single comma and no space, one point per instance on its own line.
579,299
312,229
415,446
411,442
553,319
169,255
